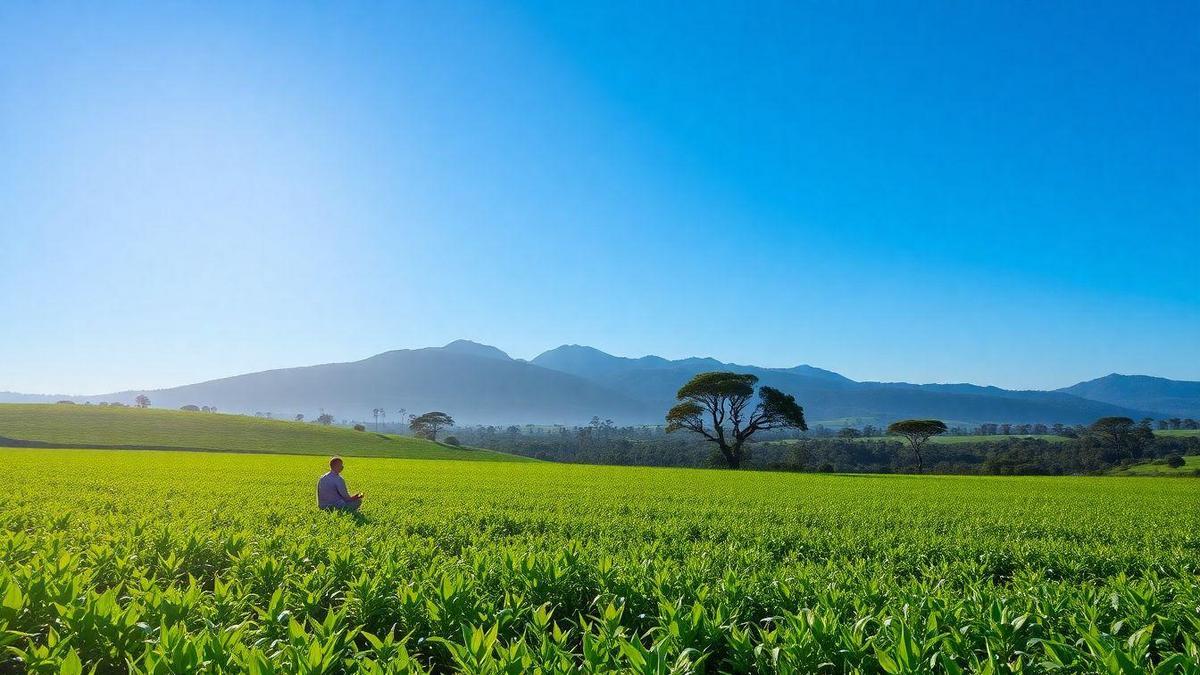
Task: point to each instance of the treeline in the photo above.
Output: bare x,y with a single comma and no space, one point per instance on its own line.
1082,450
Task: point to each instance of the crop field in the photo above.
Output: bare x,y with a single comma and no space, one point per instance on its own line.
94,426
161,562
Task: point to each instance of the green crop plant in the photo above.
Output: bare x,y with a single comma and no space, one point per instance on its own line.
160,562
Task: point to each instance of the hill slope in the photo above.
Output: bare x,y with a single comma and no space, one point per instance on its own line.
93,426
474,383
826,395
480,384
1174,397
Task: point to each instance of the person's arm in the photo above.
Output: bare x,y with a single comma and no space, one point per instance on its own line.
341,489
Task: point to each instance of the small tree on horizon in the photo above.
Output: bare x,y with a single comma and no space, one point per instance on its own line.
142,401
429,424
917,432
716,405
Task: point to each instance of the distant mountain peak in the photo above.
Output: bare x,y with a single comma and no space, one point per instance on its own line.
477,349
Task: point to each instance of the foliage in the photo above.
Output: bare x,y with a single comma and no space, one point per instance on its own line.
917,432
716,406
152,562
429,424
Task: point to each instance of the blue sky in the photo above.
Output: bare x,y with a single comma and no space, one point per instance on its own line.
933,192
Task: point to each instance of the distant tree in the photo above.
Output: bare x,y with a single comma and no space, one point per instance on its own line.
724,399
917,432
190,408
376,412
1057,429
142,401
1115,430
1175,422
1190,423
1006,429
1040,429
1174,461
325,419
300,417
1162,425
66,402
400,414
429,424
849,432
870,431
452,440
359,427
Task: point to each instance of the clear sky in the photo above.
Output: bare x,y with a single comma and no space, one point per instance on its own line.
1000,193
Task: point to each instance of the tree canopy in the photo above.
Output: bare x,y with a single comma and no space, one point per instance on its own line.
917,432
429,424
716,405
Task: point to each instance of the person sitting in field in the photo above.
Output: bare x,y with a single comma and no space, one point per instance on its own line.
332,492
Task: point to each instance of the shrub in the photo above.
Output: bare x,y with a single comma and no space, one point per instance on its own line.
1173,461
359,427
452,440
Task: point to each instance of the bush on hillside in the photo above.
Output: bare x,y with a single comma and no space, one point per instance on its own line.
359,427
1173,461
452,440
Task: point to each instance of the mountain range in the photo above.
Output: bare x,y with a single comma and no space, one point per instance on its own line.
481,384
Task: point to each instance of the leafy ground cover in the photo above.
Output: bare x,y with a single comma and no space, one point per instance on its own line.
188,562
94,426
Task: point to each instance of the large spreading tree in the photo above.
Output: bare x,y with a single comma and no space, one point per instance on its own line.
718,407
917,432
429,424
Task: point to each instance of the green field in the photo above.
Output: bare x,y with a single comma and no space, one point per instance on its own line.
1191,464
94,427
1178,432
950,440
184,562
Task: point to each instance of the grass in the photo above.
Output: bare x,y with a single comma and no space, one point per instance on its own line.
1191,464
188,562
970,438
1178,432
94,426
951,440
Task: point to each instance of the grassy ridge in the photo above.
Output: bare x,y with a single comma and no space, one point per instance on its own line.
949,440
995,438
161,560
1191,464
93,426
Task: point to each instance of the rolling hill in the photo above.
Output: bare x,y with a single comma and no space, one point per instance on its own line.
1171,397
826,395
480,384
80,426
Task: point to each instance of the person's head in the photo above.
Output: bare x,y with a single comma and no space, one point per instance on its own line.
335,464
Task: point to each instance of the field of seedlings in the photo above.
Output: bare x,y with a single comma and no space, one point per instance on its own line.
159,562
